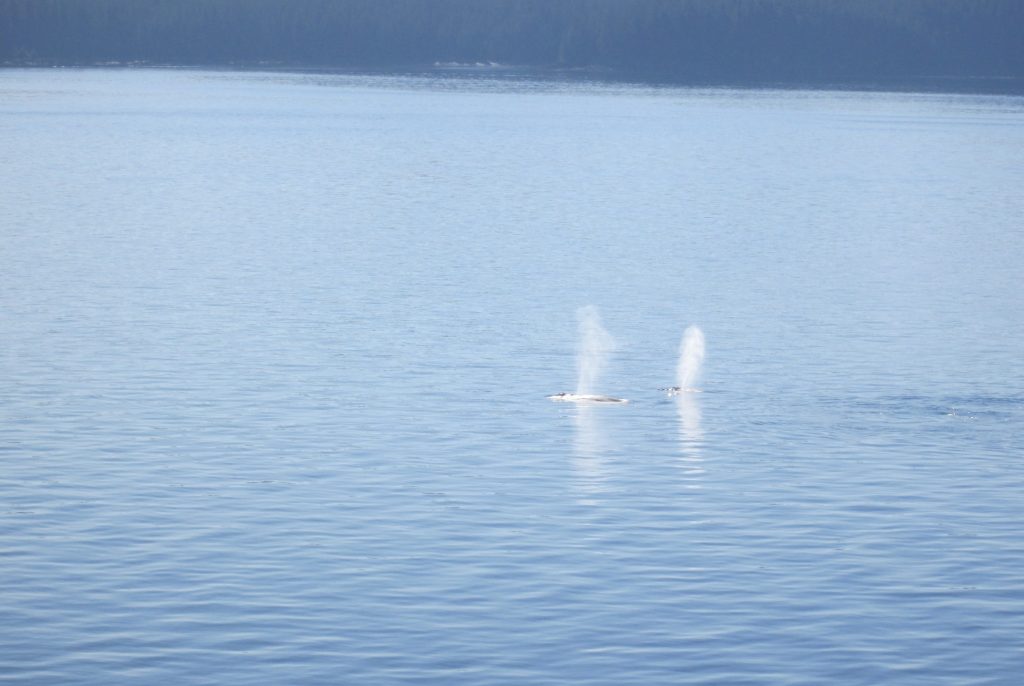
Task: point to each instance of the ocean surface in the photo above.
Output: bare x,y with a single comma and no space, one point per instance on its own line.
275,350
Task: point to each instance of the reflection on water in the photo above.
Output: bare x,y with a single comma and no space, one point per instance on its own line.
691,435
589,444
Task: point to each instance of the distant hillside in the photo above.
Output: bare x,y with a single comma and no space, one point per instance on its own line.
683,40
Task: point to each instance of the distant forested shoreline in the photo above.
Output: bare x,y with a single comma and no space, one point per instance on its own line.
700,41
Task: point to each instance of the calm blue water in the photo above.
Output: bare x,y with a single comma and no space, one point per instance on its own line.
274,352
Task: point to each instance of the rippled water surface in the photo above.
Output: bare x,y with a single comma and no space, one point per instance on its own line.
274,352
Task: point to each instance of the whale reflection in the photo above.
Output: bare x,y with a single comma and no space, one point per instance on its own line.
691,433
590,443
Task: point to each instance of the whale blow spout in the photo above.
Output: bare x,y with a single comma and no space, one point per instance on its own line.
595,345
592,352
691,357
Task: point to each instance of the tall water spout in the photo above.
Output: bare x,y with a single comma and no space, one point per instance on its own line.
691,356
595,345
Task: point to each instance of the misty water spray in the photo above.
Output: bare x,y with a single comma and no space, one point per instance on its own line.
691,357
595,345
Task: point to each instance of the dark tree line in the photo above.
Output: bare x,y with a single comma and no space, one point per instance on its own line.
808,40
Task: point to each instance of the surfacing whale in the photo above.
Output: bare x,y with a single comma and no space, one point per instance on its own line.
585,398
676,390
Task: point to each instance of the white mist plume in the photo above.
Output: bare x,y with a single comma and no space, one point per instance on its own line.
691,356
594,346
